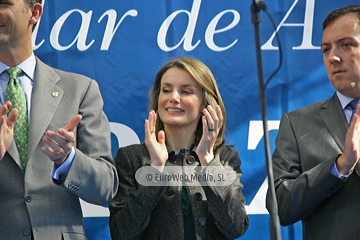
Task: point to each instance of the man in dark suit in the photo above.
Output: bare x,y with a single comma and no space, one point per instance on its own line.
68,139
316,169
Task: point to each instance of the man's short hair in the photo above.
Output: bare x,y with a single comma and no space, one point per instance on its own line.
335,14
32,2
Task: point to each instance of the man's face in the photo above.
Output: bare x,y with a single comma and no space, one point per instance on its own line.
14,23
341,54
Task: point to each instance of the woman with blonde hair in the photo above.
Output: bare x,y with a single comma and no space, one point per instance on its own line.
184,129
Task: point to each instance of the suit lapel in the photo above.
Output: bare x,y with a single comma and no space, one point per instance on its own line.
334,119
45,99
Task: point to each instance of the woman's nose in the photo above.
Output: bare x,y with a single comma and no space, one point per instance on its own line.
175,97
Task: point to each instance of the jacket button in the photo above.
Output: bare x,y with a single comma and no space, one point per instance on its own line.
198,196
190,160
28,198
202,221
26,232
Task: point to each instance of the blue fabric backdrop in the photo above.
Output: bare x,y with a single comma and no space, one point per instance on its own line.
122,44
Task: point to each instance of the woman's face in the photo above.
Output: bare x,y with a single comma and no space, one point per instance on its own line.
180,100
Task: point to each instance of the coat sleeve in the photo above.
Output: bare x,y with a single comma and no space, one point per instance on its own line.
299,191
92,175
131,207
226,203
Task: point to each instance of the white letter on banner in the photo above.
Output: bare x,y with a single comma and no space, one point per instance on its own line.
189,33
211,30
35,32
256,133
81,36
125,135
110,30
308,27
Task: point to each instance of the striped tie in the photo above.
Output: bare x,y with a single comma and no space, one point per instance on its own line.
353,106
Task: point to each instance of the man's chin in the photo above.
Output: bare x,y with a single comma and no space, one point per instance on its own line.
353,91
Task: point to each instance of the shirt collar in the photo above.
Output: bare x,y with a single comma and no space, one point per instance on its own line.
344,100
28,67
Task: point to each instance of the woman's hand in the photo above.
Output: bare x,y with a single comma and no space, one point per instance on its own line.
211,121
156,147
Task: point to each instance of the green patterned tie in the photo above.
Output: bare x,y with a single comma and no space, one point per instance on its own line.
15,94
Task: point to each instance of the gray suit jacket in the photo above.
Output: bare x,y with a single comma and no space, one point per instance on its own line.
308,142
155,212
30,202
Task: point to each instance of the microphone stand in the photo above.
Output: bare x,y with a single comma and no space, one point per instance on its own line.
273,210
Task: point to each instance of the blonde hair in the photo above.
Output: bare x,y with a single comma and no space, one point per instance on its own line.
210,92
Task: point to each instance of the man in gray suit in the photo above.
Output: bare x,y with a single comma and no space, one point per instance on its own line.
316,169
68,139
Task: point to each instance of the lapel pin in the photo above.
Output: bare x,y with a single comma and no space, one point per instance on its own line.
55,94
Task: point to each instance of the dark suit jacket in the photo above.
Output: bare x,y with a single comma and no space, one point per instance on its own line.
30,202
155,212
308,142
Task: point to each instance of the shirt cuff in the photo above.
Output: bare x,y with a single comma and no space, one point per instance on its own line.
334,171
60,173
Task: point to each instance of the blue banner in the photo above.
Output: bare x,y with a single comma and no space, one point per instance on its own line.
122,44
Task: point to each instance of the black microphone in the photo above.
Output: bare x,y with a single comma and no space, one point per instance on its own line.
260,4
